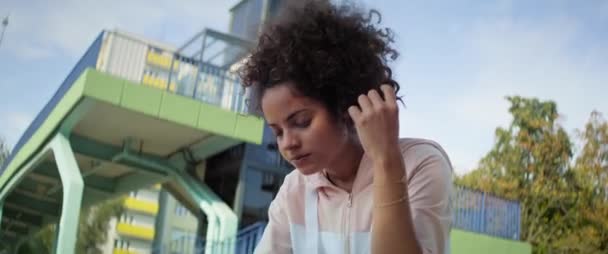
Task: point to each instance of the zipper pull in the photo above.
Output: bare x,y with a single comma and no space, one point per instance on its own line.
350,200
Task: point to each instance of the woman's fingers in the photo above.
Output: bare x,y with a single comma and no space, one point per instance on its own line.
364,103
389,94
372,101
375,99
354,112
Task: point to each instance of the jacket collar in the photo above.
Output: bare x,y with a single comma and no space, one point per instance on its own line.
364,178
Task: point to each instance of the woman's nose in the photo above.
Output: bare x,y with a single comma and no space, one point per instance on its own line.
289,141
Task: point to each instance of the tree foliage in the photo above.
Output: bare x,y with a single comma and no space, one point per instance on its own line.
4,152
92,230
563,200
590,231
94,225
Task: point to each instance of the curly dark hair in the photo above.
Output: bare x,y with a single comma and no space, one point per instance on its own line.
331,53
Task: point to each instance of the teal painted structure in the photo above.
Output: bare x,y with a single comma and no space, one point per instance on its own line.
95,156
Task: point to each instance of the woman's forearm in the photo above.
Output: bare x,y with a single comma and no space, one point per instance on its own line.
392,227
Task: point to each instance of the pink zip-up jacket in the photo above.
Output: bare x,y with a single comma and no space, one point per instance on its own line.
310,215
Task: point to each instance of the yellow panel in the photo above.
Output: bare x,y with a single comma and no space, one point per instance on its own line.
135,231
160,60
124,251
146,80
157,83
144,206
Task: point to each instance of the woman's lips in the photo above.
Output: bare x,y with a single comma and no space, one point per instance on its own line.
300,160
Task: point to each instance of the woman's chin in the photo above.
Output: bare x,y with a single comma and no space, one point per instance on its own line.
308,170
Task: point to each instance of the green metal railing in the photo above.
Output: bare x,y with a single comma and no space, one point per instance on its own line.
167,68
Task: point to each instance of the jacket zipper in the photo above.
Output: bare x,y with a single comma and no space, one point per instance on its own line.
349,205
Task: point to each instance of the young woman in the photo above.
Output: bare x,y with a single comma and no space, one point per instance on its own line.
321,78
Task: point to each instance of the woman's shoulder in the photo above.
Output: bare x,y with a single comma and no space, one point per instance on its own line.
294,182
418,143
419,147
290,198
417,152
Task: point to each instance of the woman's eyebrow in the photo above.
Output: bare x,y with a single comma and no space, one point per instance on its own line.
292,115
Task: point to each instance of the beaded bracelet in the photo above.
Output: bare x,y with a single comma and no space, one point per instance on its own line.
402,199
390,182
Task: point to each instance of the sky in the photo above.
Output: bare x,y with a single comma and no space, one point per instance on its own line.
458,59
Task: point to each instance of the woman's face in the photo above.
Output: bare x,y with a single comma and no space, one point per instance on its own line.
307,134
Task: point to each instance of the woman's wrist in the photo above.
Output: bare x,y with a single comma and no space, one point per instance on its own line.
389,168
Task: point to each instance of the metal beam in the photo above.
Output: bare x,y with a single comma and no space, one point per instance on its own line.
222,221
230,39
101,187
84,106
203,149
34,196
108,152
193,39
201,51
97,182
43,178
92,148
44,207
14,214
12,222
18,227
73,187
29,210
17,177
100,183
137,181
9,234
93,196
219,53
93,183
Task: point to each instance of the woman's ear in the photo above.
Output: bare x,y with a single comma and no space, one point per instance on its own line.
346,120
349,126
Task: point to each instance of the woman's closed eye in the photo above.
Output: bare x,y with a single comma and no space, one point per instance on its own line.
301,123
296,124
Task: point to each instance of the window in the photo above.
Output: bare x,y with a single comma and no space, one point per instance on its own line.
180,210
122,244
126,218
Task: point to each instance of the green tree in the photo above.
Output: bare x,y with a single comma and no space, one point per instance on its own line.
590,234
530,162
3,151
92,230
94,226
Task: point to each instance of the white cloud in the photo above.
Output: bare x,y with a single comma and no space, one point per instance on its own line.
46,28
16,123
511,57
533,61
33,52
541,61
